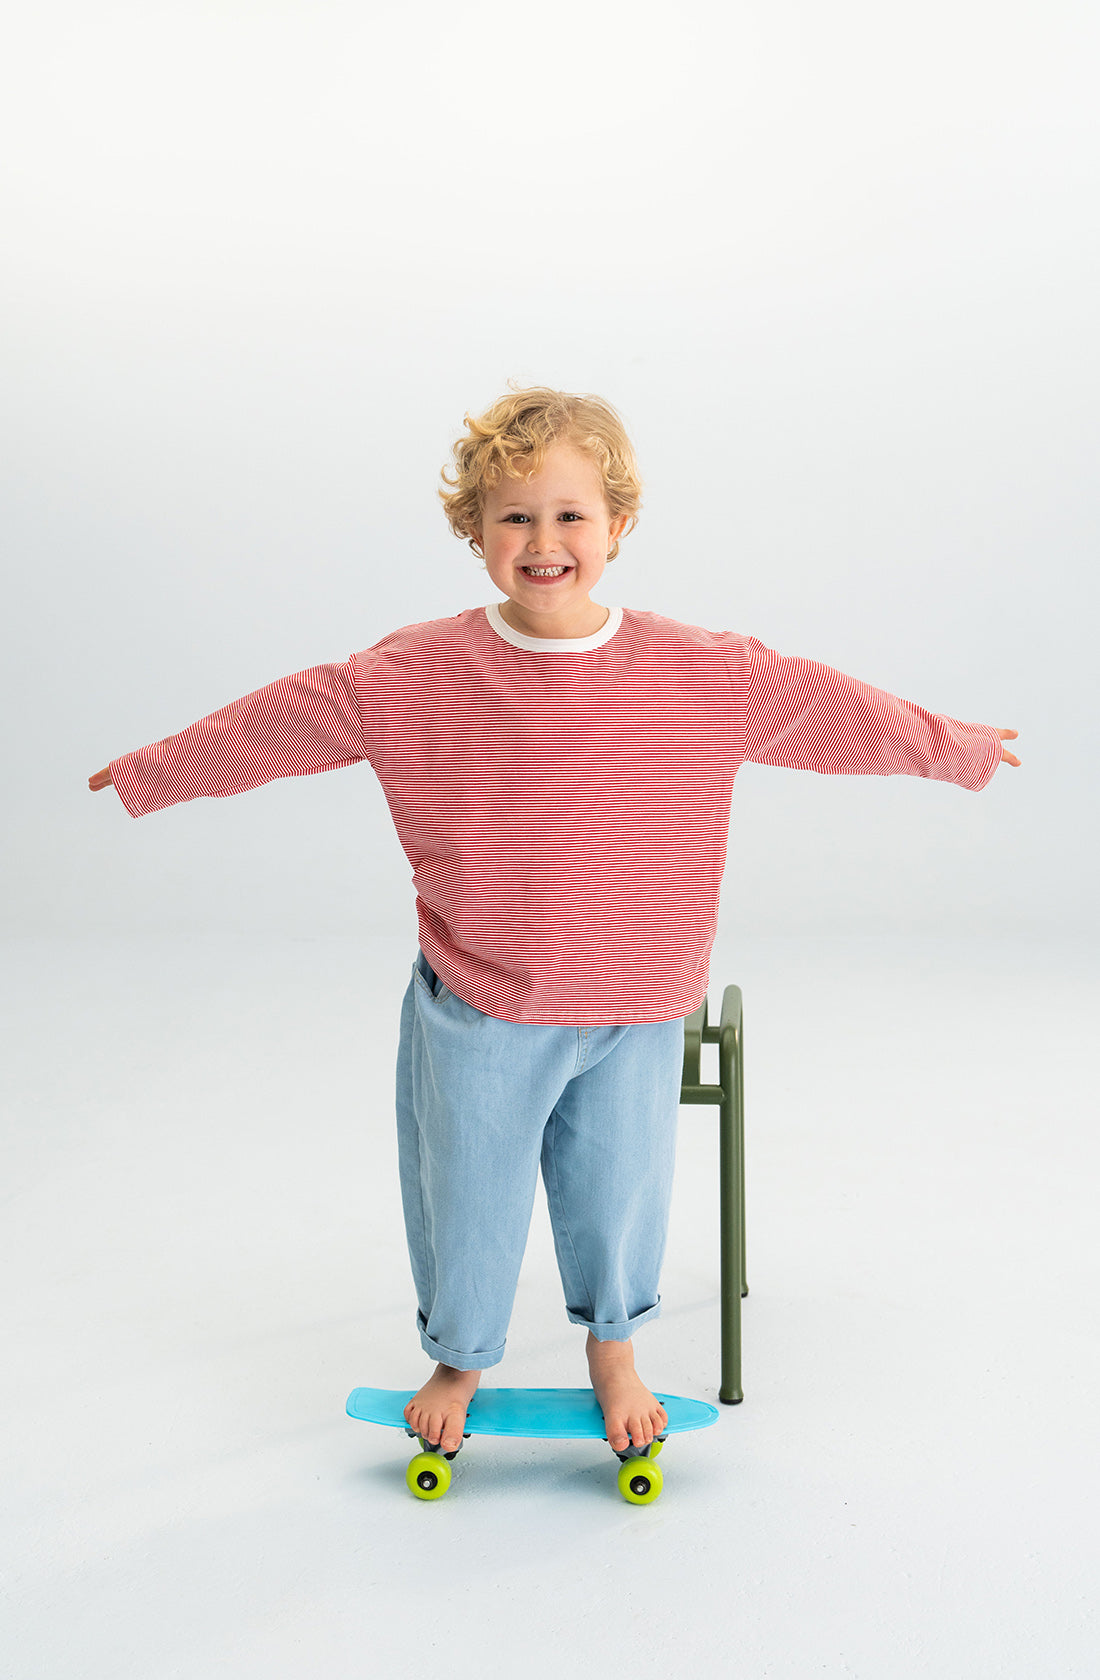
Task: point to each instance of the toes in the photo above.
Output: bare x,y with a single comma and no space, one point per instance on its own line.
422,1423
638,1431
441,1432
643,1431
618,1437
436,1426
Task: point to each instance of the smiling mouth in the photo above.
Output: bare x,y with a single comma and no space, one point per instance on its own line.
545,574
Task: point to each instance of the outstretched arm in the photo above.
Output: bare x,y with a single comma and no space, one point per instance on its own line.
804,715
297,726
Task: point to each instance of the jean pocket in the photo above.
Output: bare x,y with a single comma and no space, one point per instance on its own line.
428,979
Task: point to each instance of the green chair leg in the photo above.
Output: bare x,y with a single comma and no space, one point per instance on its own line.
729,1094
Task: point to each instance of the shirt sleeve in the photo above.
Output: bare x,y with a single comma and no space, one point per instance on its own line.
297,726
806,716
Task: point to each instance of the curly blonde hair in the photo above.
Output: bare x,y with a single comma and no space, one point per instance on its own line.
511,438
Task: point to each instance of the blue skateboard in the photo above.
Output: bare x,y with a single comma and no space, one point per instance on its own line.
543,1414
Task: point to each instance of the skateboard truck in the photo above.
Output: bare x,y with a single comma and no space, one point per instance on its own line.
433,1446
632,1451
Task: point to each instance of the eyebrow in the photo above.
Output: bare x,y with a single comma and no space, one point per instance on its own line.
563,501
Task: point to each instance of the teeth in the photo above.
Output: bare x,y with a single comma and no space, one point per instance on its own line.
546,571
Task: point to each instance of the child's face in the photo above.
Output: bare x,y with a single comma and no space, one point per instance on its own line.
559,518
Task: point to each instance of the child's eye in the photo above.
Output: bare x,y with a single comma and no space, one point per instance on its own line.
514,518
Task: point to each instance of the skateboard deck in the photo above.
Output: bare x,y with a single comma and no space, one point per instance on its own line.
545,1414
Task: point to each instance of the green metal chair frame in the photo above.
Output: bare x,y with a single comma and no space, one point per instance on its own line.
729,1094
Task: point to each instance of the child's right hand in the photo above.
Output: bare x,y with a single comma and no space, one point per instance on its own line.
101,779
1006,756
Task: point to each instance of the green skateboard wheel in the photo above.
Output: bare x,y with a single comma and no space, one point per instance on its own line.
640,1481
428,1475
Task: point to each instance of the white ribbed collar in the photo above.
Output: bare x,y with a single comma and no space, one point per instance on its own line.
553,644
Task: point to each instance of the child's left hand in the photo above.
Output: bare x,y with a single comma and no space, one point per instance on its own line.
1006,756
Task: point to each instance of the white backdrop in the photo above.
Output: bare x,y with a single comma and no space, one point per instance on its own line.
836,266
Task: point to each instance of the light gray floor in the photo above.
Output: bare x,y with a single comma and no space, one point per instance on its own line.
203,1252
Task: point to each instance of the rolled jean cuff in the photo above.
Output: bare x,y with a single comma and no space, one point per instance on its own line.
616,1332
458,1361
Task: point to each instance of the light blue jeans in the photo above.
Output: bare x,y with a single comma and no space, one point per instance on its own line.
481,1103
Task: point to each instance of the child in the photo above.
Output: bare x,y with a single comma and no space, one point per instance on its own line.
560,778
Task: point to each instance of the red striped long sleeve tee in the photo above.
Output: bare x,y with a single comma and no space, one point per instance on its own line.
565,805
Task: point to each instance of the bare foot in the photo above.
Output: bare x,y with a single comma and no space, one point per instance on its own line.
632,1414
438,1411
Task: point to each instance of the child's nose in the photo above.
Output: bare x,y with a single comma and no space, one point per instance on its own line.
542,538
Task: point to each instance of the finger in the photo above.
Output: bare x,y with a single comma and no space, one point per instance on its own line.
1008,734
